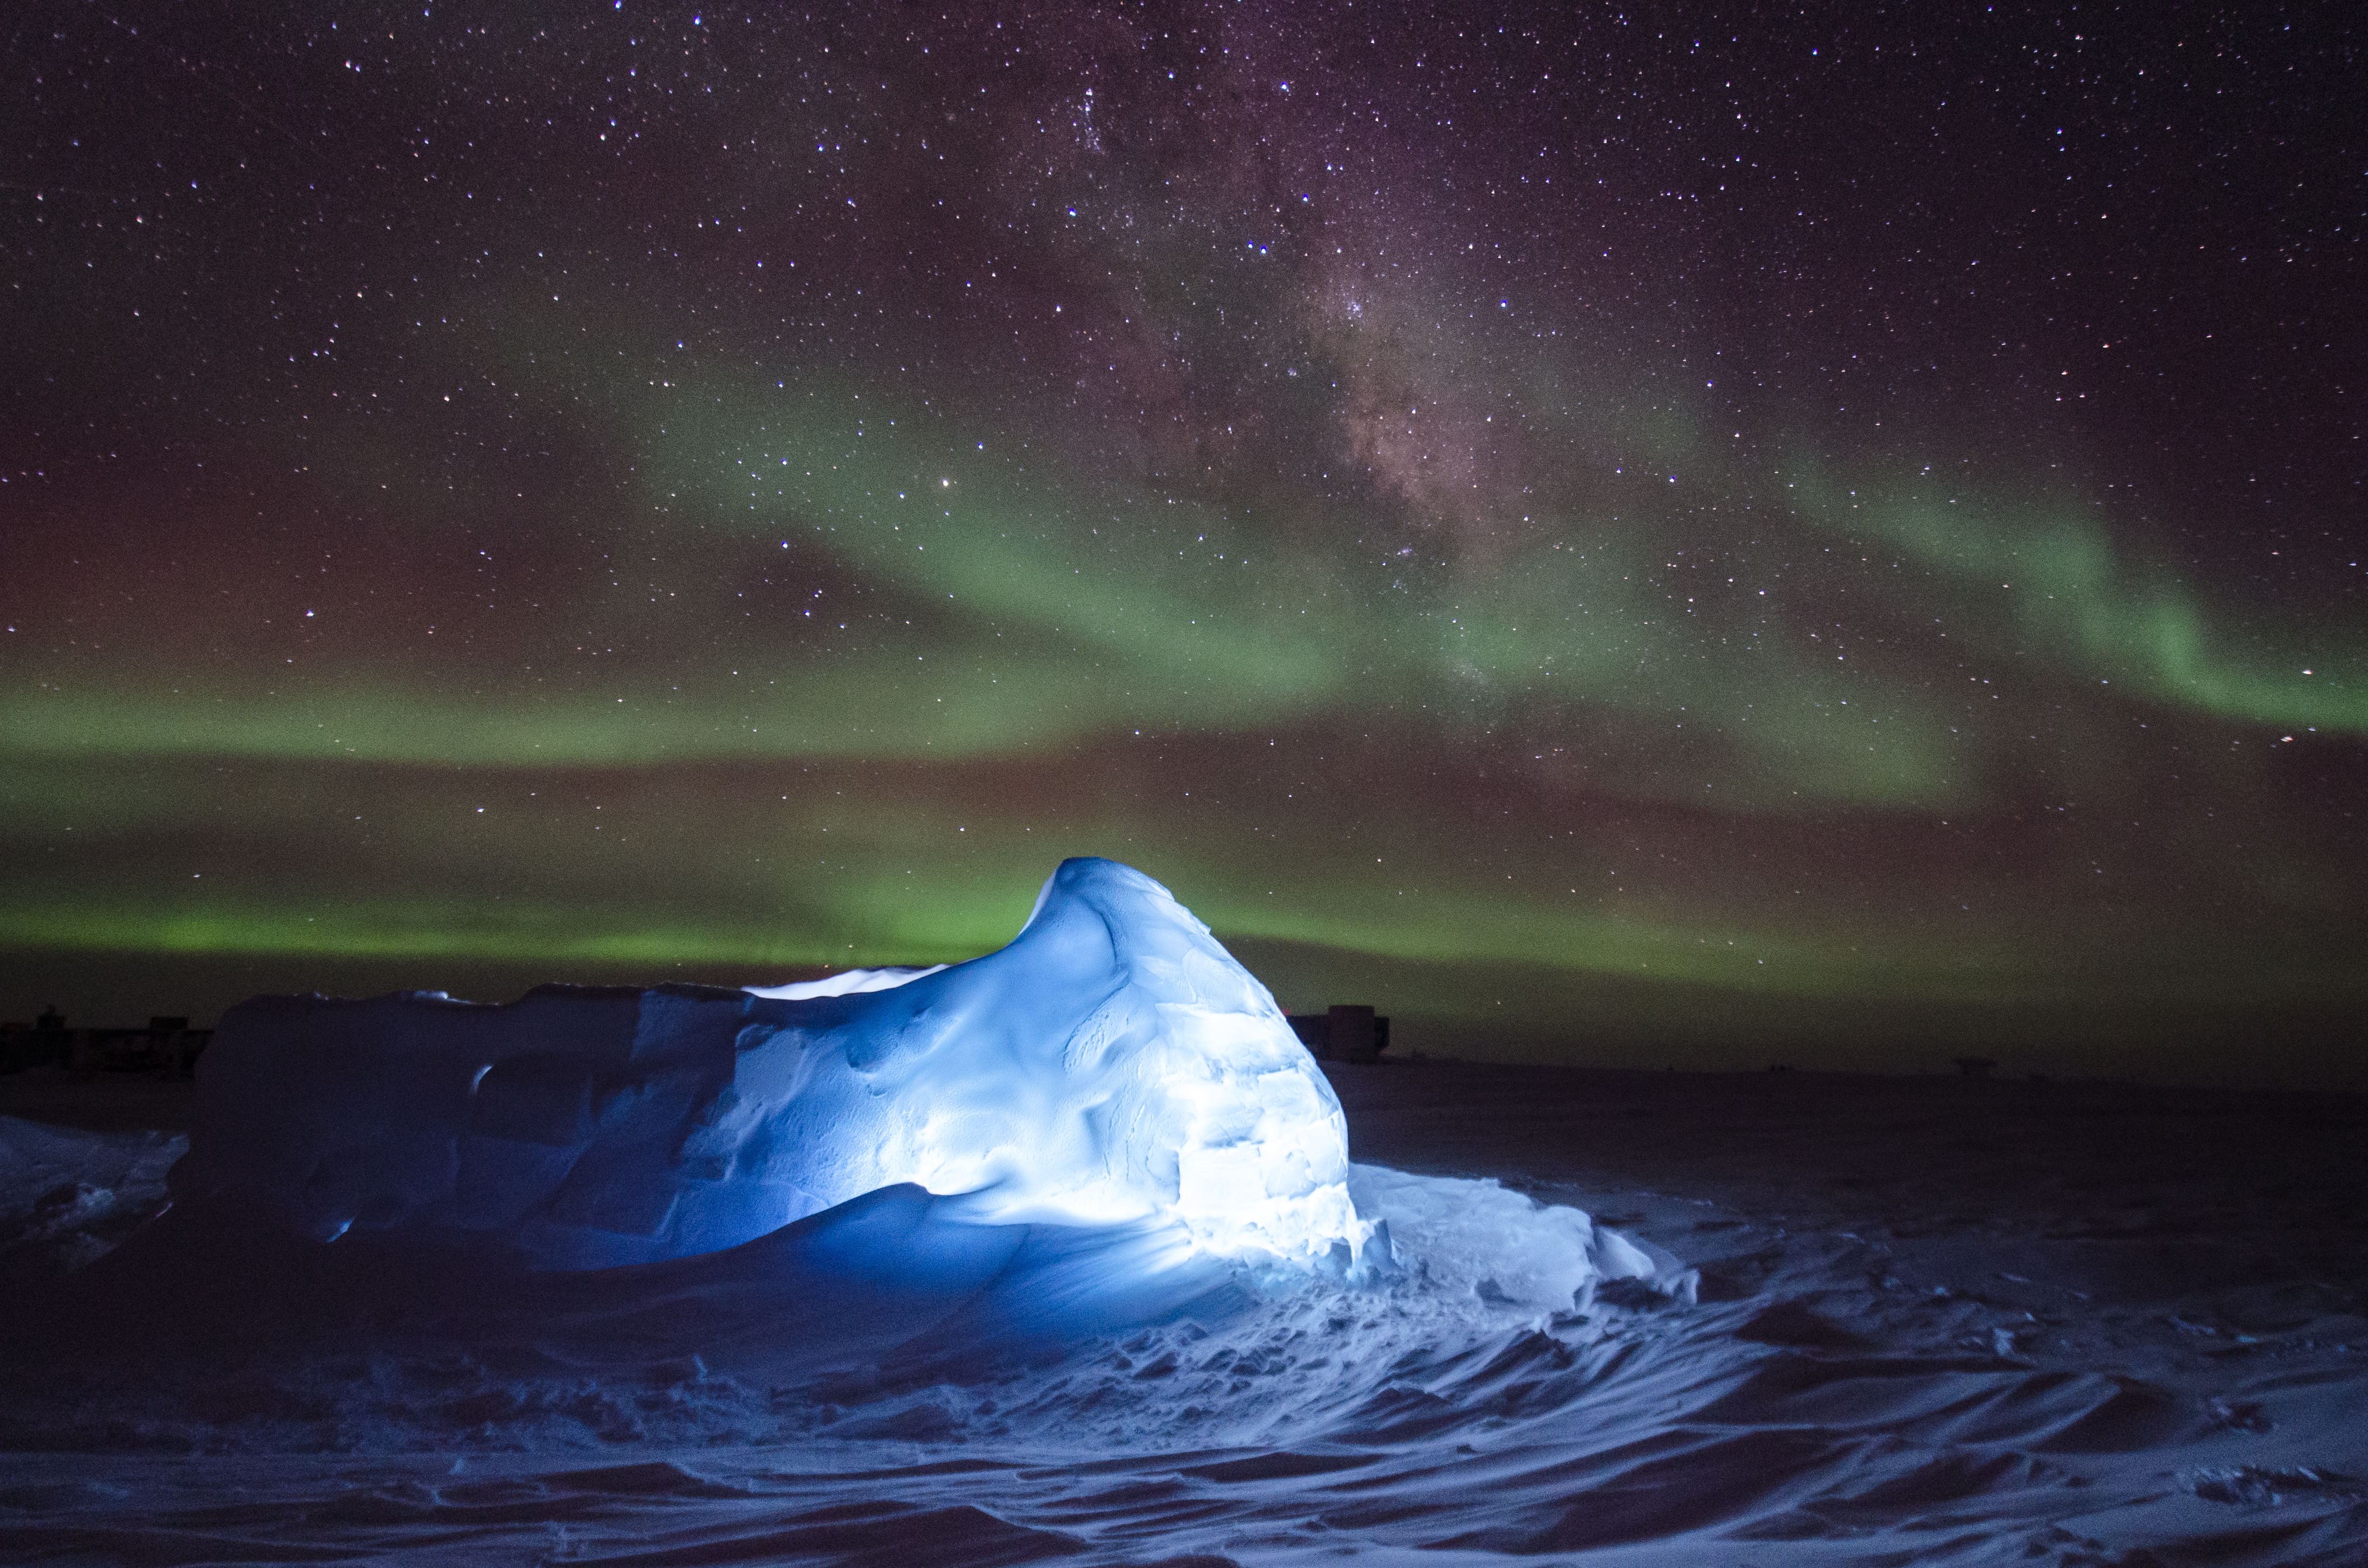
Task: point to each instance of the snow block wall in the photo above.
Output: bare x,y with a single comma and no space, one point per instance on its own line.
1112,1065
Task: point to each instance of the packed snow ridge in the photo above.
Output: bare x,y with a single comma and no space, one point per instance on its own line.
1112,1065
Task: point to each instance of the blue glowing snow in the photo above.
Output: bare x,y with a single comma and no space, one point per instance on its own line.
1113,1065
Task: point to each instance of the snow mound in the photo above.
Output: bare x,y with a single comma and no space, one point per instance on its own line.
1112,1065
1505,1247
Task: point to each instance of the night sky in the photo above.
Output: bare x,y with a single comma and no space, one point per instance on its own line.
1616,535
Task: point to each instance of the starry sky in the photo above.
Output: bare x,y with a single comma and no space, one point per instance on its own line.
1616,535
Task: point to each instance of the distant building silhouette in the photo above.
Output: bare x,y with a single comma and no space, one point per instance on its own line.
1351,1032
167,1046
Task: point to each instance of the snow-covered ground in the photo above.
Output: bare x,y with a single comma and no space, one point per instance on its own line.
1062,1252
1936,1321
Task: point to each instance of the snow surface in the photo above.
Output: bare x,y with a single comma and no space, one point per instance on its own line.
1917,1321
1112,1065
1935,1323
71,1196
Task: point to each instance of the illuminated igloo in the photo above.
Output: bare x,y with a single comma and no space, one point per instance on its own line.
1112,1065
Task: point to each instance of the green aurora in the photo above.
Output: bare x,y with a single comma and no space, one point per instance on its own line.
1565,689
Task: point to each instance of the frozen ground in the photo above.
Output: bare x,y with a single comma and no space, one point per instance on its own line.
1939,1322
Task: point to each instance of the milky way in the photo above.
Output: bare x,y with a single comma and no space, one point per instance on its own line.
1604,537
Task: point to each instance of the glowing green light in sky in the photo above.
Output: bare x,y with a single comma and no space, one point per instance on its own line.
1558,725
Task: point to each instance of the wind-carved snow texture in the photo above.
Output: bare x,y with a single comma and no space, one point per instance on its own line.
1112,1065
69,1197
2031,1326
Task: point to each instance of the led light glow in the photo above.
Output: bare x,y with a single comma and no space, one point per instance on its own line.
1112,1065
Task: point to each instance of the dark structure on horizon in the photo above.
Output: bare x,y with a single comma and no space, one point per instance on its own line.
1348,1033
168,1045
